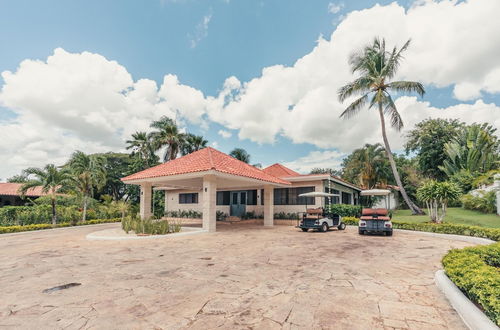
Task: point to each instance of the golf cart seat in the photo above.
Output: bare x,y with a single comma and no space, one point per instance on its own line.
374,217
313,213
375,214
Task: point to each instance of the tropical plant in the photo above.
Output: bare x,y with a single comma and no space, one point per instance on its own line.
122,206
192,143
167,135
436,196
331,171
376,66
140,145
475,149
240,154
51,179
482,201
89,174
19,178
367,167
428,139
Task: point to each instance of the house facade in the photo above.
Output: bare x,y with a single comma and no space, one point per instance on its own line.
238,202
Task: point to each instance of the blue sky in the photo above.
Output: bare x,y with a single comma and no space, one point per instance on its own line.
201,42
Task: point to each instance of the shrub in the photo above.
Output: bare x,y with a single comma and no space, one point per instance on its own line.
149,226
286,216
219,215
475,271
351,221
192,214
436,196
16,229
346,210
484,202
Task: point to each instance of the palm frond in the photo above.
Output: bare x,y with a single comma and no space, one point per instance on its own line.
360,85
392,111
407,87
354,107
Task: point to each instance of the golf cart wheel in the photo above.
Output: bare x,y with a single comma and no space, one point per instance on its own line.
324,227
388,233
361,231
341,226
305,229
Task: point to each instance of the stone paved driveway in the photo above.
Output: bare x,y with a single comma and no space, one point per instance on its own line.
237,278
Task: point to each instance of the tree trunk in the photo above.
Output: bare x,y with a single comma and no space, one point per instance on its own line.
84,213
414,208
54,215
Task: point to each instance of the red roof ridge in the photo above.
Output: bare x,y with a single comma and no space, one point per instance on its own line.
212,166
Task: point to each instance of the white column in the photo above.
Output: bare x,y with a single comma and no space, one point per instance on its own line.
145,205
209,198
497,187
268,206
165,209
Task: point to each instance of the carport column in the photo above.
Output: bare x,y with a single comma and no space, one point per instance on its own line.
145,205
209,198
268,205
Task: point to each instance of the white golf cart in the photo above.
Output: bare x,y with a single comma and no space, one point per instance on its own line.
376,220
318,218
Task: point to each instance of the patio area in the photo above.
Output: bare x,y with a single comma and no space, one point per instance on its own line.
241,277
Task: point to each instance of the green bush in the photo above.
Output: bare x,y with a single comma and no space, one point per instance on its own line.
16,229
286,216
149,226
351,221
192,214
475,271
484,202
346,210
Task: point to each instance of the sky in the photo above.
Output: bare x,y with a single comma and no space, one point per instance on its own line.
261,75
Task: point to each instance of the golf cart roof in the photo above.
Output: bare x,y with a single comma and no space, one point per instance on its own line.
317,194
375,192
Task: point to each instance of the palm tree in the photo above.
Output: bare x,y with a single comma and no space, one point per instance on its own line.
368,166
51,179
167,135
141,145
121,206
376,66
240,154
89,173
193,143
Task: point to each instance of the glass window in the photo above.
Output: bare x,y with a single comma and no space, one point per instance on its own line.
346,198
235,198
243,198
290,196
223,197
188,198
252,197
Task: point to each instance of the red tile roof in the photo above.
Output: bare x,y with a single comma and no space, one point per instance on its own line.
280,171
205,160
12,189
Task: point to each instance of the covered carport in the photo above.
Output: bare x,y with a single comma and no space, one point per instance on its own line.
205,171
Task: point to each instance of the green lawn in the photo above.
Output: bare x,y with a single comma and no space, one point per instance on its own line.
453,215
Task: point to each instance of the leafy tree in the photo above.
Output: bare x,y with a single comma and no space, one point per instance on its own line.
141,145
436,196
117,166
428,139
475,149
331,171
411,177
51,179
19,178
167,135
376,66
89,174
240,154
367,166
193,143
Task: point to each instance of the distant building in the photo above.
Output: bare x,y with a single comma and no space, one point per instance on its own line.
10,195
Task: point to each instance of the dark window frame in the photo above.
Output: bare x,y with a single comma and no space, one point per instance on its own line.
188,198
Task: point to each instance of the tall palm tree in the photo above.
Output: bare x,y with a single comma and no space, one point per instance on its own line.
193,143
141,145
376,66
167,135
240,154
51,179
368,166
89,173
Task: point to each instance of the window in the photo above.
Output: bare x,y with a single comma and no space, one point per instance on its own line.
335,199
243,198
346,198
252,197
290,196
188,198
262,197
223,198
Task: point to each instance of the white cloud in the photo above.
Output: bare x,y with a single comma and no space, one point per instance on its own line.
321,159
225,134
334,8
201,30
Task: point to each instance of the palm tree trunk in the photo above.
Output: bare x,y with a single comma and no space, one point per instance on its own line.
54,215
414,208
84,213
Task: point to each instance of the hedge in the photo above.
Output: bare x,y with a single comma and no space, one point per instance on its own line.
475,271
346,210
443,228
17,229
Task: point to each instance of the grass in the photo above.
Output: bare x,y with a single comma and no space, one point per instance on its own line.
454,215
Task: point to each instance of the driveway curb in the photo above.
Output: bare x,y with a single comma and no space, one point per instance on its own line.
102,236
472,316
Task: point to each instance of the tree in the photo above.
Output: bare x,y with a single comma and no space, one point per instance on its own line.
331,171
167,135
367,167
428,139
475,150
89,174
19,178
376,66
193,143
116,166
141,145
240,154
51,179
436,196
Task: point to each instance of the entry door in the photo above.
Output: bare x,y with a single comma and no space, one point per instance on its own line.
238,203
